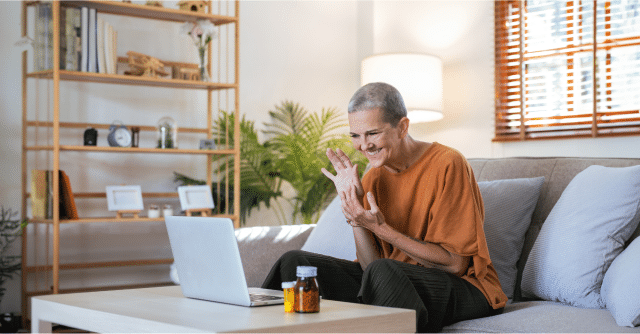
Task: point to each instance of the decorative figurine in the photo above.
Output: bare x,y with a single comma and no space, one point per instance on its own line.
194,6
154,3
144,65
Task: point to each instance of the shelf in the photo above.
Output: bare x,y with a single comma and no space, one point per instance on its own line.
82,125
50,264
78,148
104,195
111,220
146,12
133,80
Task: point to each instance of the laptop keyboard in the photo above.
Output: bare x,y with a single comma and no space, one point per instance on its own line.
257,297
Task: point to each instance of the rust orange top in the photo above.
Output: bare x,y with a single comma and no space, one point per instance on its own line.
437,200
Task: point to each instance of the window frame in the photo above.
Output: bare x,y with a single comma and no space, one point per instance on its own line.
513,123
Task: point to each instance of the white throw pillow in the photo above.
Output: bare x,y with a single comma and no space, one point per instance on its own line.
332,235
508,206
620,288
586,229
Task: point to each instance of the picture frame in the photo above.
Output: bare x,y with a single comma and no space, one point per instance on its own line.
195,197
207,144
124,198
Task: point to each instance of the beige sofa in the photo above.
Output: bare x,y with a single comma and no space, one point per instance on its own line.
261,246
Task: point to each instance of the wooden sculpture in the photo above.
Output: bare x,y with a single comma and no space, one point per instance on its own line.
144,65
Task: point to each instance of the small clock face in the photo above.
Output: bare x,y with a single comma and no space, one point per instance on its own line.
122,137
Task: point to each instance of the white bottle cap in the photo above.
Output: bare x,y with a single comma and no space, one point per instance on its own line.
306,271
288,285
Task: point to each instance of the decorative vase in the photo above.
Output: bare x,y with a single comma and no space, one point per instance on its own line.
204,76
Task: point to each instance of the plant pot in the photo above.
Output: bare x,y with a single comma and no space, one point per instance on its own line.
10,323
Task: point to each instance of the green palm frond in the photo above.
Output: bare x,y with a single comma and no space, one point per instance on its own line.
294,152
288,118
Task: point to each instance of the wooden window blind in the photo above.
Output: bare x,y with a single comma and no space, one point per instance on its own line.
567,69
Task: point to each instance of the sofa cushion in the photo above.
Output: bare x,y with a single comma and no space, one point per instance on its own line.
508,205
332,235
585,231
542,317
620,288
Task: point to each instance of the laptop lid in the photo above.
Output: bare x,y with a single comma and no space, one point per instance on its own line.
206,255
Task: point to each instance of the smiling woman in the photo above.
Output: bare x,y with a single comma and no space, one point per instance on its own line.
417,218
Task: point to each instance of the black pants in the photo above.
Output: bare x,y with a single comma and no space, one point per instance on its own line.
439,298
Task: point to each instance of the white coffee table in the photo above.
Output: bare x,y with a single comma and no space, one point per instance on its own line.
165,309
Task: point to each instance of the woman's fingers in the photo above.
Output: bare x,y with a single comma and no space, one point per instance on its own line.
328,174
336,161
372,202
344,158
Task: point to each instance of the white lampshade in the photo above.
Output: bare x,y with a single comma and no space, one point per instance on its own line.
418,77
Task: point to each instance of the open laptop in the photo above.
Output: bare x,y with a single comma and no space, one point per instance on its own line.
206,255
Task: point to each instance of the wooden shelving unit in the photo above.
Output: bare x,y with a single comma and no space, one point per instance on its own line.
57,149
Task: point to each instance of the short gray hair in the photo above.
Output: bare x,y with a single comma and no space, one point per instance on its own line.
379,95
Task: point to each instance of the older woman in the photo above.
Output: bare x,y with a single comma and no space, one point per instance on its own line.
417,219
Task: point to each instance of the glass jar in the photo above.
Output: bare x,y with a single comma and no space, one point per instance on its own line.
167,133
307,293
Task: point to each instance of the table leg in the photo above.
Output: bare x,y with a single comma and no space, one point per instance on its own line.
40,326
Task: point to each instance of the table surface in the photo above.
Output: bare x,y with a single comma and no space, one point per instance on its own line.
165,309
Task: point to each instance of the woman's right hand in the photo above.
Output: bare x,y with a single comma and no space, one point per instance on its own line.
346,176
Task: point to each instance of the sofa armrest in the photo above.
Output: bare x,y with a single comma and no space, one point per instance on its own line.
261,246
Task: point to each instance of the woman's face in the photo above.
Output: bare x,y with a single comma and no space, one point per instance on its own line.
375,138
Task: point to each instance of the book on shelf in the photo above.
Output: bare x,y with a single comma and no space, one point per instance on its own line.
102,64
72,36
92,58
42,195
84,33
43,38
111,57
39,194
87,42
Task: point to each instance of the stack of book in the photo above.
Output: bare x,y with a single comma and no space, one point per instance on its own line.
42,195
87,41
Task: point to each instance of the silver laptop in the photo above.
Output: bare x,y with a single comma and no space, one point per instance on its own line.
206,255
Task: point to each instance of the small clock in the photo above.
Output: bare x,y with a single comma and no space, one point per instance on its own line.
119,135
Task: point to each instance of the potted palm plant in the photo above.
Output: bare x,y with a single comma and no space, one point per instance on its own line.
293,153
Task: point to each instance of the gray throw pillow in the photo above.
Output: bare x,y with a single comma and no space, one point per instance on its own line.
508,206
620,288
586,229
332,235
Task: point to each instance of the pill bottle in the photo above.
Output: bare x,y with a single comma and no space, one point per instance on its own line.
289,296
307,294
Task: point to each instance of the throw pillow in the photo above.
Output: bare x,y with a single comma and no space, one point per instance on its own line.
332,235
620,289
508,206
586,229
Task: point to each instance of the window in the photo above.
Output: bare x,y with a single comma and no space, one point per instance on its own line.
574,72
